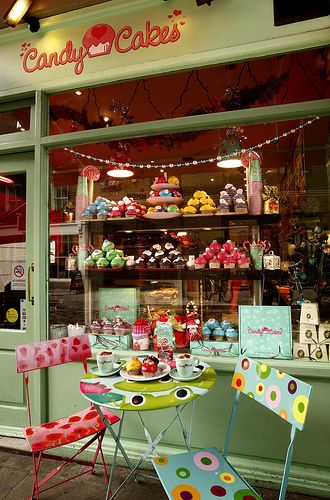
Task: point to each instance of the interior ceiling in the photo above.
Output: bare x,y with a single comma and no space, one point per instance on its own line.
47,8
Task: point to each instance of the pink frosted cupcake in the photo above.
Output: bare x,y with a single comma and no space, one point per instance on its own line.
200,262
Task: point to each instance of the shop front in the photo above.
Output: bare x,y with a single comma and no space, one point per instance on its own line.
119,210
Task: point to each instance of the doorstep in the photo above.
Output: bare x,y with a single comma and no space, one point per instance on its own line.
14,443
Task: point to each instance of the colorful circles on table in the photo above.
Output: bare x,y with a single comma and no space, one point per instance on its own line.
182,472
263,371
161,460
283,414
250,394
260,389
206,461
238,381
218,491
292,386
273,396
226,477
246,494
299,408
245,364
280,374
185,492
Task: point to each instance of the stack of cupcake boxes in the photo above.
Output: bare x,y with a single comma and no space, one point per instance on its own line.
314,336
220,338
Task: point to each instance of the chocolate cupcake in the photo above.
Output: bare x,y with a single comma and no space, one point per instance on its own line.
179,262
165,263
159,254
140,262
147,254
152,262
156,247
169,247
173,254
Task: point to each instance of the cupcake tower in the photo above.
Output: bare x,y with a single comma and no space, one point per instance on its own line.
232,199
227,256
163,256
199,203
165,197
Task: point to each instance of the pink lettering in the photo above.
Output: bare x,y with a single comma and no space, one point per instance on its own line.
125,33
30,55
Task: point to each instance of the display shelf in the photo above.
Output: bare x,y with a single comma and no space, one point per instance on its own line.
181,274
192,222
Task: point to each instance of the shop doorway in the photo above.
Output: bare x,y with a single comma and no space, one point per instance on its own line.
17,288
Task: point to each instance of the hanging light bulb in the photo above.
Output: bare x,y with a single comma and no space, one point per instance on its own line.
121,168
231,149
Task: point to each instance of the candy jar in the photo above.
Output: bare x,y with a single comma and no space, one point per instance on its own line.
257,251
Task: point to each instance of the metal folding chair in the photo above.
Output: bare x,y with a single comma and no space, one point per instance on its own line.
84,424
206,474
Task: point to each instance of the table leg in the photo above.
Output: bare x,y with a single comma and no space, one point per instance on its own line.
186,435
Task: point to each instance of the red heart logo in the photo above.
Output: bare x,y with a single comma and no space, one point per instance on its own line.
76,341
170,16
64,341
177,12
182,23
98,31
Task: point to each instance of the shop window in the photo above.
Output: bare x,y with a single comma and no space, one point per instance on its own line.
293,218
15,120
269,81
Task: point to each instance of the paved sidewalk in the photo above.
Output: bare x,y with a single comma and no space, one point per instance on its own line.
16,481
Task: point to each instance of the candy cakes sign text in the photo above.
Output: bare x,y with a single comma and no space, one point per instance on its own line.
102,40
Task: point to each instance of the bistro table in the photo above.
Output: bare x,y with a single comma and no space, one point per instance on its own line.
117,393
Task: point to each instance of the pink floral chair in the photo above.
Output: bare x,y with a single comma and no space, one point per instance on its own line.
60,432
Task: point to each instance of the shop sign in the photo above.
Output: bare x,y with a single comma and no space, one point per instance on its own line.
18,277
102,40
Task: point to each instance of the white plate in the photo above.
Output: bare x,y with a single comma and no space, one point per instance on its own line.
196,373
116,367
163,369
164,200
159,187
162,215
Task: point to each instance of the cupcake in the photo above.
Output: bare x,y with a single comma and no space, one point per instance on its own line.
173,254
179,263
199,194
232,335
193,202
102,215
215,247
218,334
107,327
140,262
89,263
225,196
188,210
241,206
120,326
118,262
168,247
95,327
239,194
149,366
159,254
156,247
152,262
97,254
225,324
86,215
102,263
200,262
229,263
173,180
165,263
230,189
111,254
206,332
173,209
214,263
243,263
212,323
222,256
134,366
147,254
107,246
223,207
207,209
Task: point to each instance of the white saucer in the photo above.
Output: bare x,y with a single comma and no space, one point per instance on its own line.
196,373
116,367
163,369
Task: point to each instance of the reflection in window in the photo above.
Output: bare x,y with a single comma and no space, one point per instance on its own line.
16,120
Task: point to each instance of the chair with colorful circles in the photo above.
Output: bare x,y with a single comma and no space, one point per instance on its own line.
207,474
84,424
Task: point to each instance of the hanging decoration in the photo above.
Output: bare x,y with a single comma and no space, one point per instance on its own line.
273,140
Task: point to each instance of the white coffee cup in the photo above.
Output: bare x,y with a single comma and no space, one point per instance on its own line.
105,361
185,364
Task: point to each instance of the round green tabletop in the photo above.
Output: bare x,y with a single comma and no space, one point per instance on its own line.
115,392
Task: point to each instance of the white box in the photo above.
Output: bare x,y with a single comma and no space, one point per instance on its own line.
272,262
300,351
324,333
309,313
307,334
319,352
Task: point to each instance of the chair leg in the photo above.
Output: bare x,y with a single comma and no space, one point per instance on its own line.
36,467
99,449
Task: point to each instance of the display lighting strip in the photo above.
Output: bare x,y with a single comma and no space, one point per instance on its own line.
274,140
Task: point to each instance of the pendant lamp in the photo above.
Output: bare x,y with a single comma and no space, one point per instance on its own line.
120,168
230,149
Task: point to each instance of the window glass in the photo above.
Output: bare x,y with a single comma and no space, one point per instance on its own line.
15,120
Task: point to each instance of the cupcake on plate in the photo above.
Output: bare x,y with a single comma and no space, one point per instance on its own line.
149,366
134,366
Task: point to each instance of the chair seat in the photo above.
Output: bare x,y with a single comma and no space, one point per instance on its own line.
202,474
67,430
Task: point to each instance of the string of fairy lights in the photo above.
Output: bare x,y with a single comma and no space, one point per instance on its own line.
260,145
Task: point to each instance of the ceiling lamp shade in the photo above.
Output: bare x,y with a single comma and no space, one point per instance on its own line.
230,149
16,12
120,168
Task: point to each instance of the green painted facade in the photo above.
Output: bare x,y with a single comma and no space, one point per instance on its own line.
226,32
